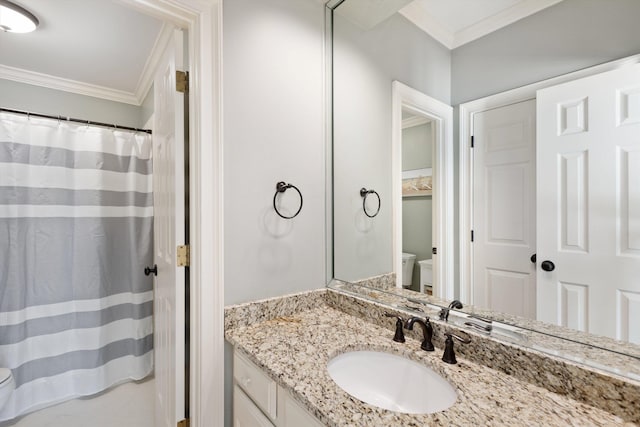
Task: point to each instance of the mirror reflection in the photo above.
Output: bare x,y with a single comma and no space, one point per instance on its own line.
508,185
417,202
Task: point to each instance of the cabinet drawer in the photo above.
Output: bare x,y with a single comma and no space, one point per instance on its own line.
258,386
245,413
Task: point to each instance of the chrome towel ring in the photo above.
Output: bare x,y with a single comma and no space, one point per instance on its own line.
281,187
364,193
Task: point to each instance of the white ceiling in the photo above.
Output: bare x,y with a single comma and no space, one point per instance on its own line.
451,22
456,22
94,47
103,48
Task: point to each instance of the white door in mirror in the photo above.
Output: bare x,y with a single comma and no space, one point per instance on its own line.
504,209
589,204
391,382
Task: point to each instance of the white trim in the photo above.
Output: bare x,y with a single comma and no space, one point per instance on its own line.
151,65
327,55
203,20
441,115
414,121
467,111
66,85
416,13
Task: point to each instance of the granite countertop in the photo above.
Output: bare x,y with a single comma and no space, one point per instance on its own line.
620,357
294,351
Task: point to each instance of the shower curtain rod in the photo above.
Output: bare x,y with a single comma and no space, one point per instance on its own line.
69,119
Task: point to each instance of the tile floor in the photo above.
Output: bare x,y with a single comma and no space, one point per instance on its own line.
127,405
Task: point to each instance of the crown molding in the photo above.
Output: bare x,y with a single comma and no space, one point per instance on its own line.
81,88
415,13
151,65
66,85
508,16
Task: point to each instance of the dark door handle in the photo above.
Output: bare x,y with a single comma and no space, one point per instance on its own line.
548,266
148,271
533,258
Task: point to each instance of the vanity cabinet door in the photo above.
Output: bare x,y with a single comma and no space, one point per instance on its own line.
292,414
245,413
256,384
258,401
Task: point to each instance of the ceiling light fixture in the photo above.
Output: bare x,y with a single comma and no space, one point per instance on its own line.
16,19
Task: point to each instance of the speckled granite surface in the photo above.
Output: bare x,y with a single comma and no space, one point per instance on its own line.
564,342
292,339
605,390
388,287
384,281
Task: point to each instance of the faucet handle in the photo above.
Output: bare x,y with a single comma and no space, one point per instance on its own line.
458,337
449,355
399,335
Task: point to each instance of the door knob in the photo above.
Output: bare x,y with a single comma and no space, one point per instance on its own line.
533,258
148,271
548,266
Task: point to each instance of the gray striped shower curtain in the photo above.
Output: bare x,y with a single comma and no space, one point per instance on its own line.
76,231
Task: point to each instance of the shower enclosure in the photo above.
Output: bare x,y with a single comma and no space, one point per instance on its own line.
76,231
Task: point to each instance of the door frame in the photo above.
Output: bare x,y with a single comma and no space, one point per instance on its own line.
441,114
465,164
203,21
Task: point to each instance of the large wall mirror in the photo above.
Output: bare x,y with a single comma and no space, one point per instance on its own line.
412,206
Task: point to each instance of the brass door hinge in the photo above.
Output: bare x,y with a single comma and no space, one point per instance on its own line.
183,423
183,255
182,81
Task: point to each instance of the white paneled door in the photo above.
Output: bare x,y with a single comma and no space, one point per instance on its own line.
169,229
504,219
588,197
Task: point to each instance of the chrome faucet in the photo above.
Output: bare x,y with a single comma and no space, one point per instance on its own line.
444,313
427,331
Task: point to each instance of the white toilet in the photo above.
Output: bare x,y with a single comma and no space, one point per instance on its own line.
426,275
407,269
7,385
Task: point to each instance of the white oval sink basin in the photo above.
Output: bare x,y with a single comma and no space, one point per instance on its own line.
391,382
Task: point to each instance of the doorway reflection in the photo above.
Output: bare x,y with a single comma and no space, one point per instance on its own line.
417,202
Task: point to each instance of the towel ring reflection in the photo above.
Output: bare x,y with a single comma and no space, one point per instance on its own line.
281,187
364,193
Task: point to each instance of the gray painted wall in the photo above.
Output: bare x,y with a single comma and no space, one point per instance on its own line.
417,147
22,96
273,131
566,37
365,64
